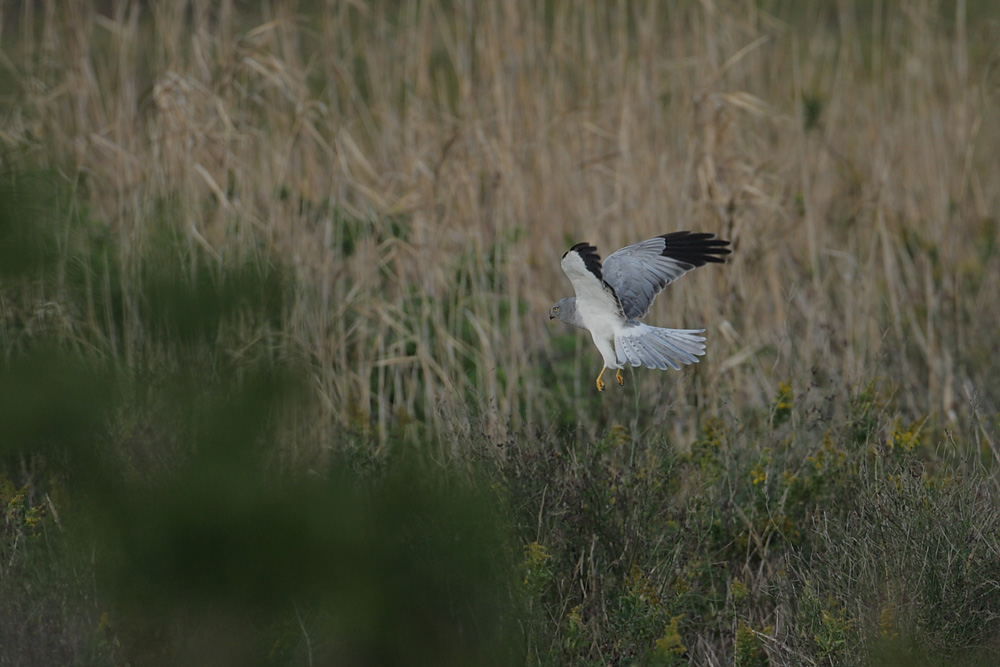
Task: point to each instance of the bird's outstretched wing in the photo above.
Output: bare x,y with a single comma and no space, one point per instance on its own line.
638,272
582,265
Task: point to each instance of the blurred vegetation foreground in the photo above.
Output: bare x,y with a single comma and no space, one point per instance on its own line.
277,386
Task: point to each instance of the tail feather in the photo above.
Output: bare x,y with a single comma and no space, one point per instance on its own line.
628,348
655,347
661,355
650,354
681,349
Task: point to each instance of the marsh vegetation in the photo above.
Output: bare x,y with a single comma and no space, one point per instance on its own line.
278,385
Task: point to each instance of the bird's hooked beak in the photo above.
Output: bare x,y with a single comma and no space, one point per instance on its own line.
551,316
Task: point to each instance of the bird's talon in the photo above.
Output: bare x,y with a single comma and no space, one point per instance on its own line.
600,382
621,380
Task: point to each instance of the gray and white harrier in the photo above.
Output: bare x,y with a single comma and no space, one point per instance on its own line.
610,299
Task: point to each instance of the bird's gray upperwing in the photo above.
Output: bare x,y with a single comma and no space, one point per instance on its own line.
639,272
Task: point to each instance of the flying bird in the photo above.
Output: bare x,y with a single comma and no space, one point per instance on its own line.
612,298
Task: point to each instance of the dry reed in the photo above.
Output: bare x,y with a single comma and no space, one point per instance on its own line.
423,165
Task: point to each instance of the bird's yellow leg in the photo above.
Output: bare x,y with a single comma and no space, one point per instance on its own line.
621,380
600,383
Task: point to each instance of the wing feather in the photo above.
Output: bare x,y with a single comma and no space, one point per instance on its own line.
638,272
582,265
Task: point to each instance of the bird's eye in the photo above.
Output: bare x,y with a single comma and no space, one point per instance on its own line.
556,309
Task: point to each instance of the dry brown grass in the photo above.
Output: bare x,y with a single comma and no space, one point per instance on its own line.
423,165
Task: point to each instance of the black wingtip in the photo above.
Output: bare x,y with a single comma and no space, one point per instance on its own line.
591,260
695,248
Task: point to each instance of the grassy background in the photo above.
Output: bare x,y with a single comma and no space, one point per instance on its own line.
278,385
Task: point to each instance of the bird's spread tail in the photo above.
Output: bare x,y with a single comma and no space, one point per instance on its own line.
653,347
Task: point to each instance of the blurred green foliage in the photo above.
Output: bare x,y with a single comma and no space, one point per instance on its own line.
218,555
28,225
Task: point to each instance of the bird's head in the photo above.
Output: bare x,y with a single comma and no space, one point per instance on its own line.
564,310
